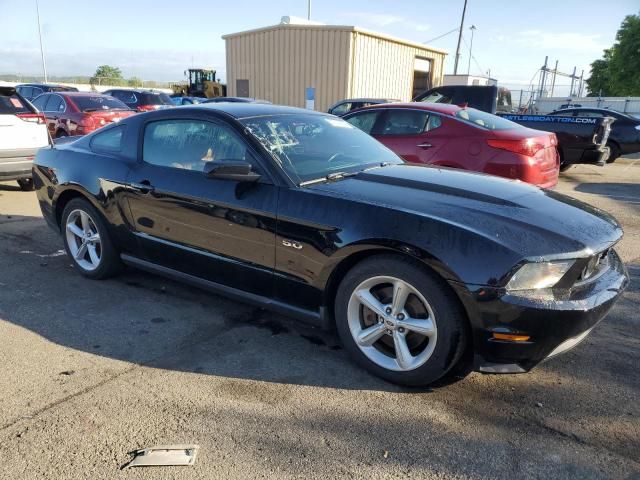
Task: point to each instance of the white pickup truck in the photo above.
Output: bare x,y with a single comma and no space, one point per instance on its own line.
23,132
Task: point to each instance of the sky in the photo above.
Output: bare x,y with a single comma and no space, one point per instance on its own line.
153,40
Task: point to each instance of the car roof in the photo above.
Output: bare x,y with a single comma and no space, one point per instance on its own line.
597,109
43,85
135,90
444,108
247,110
76,94
368,100
592,109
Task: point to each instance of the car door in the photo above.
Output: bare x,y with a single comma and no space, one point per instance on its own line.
53,109
217,229
406,132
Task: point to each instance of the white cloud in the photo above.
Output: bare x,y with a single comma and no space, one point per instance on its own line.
382,20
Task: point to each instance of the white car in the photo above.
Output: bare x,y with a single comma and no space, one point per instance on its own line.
23,131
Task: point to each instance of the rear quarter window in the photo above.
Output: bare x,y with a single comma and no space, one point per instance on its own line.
108,141
12,104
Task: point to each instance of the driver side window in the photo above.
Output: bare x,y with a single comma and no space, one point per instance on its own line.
191,144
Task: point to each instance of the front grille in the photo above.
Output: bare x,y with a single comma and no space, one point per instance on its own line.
596,266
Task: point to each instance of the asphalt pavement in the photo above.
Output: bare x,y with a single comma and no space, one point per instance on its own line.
90,370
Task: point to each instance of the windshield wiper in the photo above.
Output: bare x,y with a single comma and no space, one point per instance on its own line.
332,177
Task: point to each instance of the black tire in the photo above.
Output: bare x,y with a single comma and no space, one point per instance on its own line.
450,318
565,166
26,184
110,263
614,152
61,133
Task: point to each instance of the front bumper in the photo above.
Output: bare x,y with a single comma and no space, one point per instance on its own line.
554,321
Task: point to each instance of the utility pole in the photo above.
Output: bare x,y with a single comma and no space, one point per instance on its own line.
455,65
308,9
44,65
581,84
473,29
543,77
553,82
573,78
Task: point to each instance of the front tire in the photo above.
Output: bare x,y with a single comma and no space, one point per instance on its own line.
26,184
400,321
87,241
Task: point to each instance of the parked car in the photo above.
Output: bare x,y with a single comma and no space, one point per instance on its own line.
466,138
236,100
345,106
22,133
177,101
78,113
580,140
32,90
417,267
625,131
141,100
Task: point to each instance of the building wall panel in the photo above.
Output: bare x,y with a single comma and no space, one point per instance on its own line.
340,62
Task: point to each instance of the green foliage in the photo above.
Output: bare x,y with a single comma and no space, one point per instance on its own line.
107,75
617,74
134,82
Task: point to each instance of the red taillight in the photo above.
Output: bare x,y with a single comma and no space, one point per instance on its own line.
147,108
32,117
527,146
87,122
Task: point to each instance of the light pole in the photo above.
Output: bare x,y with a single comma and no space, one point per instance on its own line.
455,65
473,29
44,65
308,9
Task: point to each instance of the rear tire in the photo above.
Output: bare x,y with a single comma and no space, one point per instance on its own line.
614,152
87,242
400,321
26,184
61,133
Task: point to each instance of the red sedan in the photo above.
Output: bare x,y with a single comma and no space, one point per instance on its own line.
78,113
460,137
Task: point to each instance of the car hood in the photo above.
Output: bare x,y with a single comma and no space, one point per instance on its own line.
532,222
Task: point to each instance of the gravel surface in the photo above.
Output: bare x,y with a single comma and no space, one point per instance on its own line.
92,370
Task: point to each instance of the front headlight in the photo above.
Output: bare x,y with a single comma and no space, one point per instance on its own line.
532,276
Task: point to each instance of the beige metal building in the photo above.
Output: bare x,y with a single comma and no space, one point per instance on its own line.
279,63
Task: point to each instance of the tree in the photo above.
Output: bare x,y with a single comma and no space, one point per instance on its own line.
616,74
107,75
599,83
625,60
134,82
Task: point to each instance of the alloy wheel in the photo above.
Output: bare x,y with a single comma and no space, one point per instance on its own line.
392,323
83,240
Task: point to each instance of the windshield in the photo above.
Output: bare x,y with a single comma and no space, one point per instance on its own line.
155,98
485,120
309,147
98,102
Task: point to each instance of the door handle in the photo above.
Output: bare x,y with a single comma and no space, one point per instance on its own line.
143,187
424,145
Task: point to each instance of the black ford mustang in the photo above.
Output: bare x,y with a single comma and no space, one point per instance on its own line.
302,213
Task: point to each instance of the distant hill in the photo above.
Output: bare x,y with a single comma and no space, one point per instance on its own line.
73,79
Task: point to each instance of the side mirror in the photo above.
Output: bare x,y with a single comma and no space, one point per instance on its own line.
237,170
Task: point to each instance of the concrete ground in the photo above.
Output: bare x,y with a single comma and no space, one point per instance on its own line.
92,370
